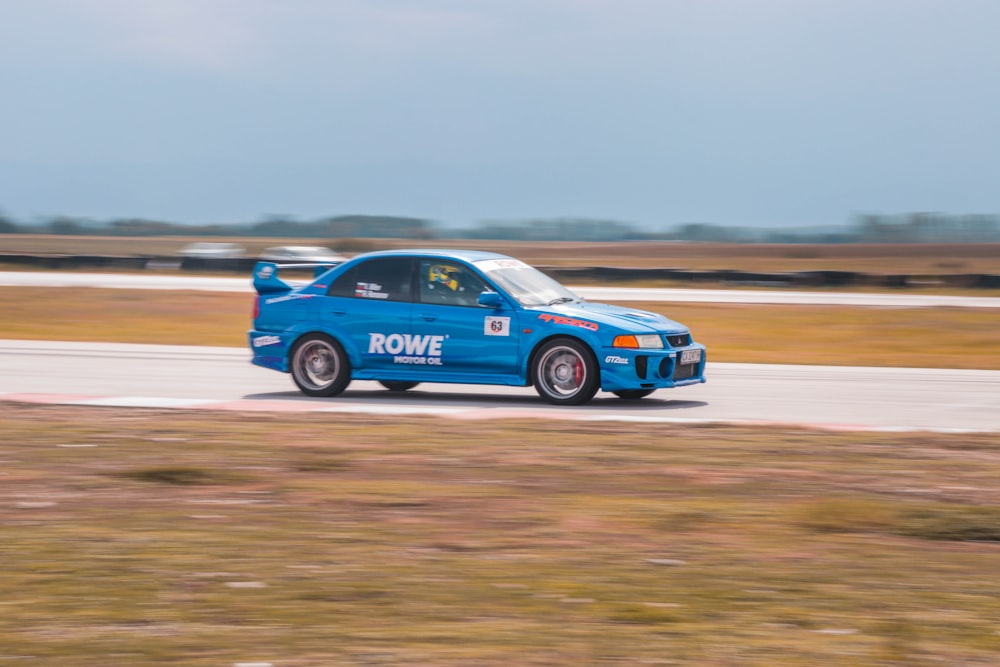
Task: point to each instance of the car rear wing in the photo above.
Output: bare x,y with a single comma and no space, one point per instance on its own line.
266,280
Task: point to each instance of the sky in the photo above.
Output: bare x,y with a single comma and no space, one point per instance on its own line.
655,113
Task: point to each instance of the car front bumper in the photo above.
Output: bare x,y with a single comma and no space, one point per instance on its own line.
625,369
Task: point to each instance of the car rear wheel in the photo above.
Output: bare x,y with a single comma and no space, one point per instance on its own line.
633,394
320,367
565,372
394,385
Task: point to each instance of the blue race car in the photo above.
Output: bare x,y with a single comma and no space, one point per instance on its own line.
460,316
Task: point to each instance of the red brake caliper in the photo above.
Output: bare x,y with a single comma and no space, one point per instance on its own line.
579,372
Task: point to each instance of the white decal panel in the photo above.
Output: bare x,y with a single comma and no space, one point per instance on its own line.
497,264
409,349
263,341
496,326
287,297
369,291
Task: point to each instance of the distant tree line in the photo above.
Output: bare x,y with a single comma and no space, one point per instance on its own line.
928,228
559,229
347,226
867,228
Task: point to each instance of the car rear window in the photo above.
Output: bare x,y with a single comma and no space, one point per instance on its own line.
382,279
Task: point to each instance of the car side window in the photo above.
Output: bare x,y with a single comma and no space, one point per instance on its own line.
448,283
381,279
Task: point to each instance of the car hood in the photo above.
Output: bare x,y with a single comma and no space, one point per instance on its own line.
627,319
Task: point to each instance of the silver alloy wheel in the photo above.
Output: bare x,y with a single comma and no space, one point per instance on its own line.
562,372
317,364
565,371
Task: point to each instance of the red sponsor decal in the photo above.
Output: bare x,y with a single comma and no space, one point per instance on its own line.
569,321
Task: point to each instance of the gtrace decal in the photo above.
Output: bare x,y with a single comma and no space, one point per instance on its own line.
408,348
262,341
614,359
569,321
265,272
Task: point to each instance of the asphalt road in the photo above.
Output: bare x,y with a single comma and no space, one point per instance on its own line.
678,295
223,379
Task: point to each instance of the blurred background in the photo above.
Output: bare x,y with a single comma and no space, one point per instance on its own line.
605,119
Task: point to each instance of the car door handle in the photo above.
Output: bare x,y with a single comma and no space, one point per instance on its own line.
339,312
429,318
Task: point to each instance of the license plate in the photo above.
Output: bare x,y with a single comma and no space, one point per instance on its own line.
690,356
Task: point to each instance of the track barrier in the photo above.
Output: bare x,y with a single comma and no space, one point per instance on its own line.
607,274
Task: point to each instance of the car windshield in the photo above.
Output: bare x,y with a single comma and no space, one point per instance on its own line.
525,283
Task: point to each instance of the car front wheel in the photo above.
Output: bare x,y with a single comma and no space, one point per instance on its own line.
320,367
565,372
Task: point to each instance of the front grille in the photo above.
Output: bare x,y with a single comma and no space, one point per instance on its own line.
686,371
679,340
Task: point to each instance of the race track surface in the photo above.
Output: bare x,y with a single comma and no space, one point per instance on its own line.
221,378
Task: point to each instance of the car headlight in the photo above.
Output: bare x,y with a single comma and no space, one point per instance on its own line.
636,342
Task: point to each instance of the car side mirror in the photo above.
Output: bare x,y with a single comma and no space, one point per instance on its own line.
490,299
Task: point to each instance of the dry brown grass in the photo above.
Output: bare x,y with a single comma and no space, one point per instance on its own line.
125,316
140,538
843,336
932,337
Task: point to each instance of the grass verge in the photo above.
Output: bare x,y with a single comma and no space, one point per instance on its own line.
928,337
143,538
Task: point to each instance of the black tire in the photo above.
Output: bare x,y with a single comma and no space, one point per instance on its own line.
396,385
565,372
633,394
319,366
